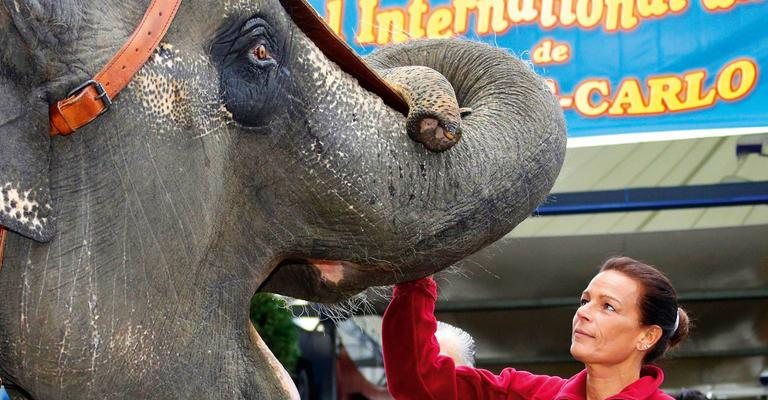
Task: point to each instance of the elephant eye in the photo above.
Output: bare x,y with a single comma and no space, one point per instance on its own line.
260,52
261,55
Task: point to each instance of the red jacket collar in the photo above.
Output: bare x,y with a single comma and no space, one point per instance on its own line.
647,387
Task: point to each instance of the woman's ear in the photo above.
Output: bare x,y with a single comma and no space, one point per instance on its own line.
25,199
650,336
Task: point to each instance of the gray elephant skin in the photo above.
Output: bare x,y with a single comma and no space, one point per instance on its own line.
240,158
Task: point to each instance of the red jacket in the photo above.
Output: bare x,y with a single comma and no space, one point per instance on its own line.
415,370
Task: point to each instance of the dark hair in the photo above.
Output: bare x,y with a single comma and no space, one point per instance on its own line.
658,303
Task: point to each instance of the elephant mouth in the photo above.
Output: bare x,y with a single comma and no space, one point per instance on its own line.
321,280
284,381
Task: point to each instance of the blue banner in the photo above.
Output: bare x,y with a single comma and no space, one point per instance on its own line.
617,66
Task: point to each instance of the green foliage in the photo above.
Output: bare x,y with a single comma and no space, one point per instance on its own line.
274,323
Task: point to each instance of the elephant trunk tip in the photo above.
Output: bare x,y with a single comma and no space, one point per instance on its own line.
436,135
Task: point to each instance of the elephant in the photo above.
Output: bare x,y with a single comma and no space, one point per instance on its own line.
242,157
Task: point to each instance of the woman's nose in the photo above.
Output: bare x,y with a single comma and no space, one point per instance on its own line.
584,312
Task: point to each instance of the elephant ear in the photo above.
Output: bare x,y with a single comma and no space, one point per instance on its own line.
25,199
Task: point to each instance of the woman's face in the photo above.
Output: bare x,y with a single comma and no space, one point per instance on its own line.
606,327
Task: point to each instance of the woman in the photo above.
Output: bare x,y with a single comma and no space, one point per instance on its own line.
628,318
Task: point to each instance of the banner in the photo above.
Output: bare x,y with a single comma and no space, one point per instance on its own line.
665,68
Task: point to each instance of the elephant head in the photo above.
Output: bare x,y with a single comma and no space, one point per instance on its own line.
242,157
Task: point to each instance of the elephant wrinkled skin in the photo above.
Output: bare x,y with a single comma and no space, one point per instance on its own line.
240,158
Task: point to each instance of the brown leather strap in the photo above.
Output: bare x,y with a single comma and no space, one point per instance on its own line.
338,51
2,245
93,98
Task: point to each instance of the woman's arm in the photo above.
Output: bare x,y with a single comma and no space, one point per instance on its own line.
416,370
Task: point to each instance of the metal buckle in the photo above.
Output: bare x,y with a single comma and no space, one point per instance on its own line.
102,94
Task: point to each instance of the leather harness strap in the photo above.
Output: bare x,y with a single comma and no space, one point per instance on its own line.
2,245
306,18
91,99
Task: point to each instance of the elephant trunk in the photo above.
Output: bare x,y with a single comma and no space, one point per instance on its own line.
513,141
500,93
423,211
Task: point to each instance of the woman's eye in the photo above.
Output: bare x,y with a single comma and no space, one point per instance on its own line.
583,301
609,307
260,52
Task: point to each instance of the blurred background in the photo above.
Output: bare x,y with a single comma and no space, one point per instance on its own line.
667,162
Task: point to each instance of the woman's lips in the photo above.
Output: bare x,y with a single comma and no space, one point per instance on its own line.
582,333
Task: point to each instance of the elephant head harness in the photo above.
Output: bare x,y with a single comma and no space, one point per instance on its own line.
94,96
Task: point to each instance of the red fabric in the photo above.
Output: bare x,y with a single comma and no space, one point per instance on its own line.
416,370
